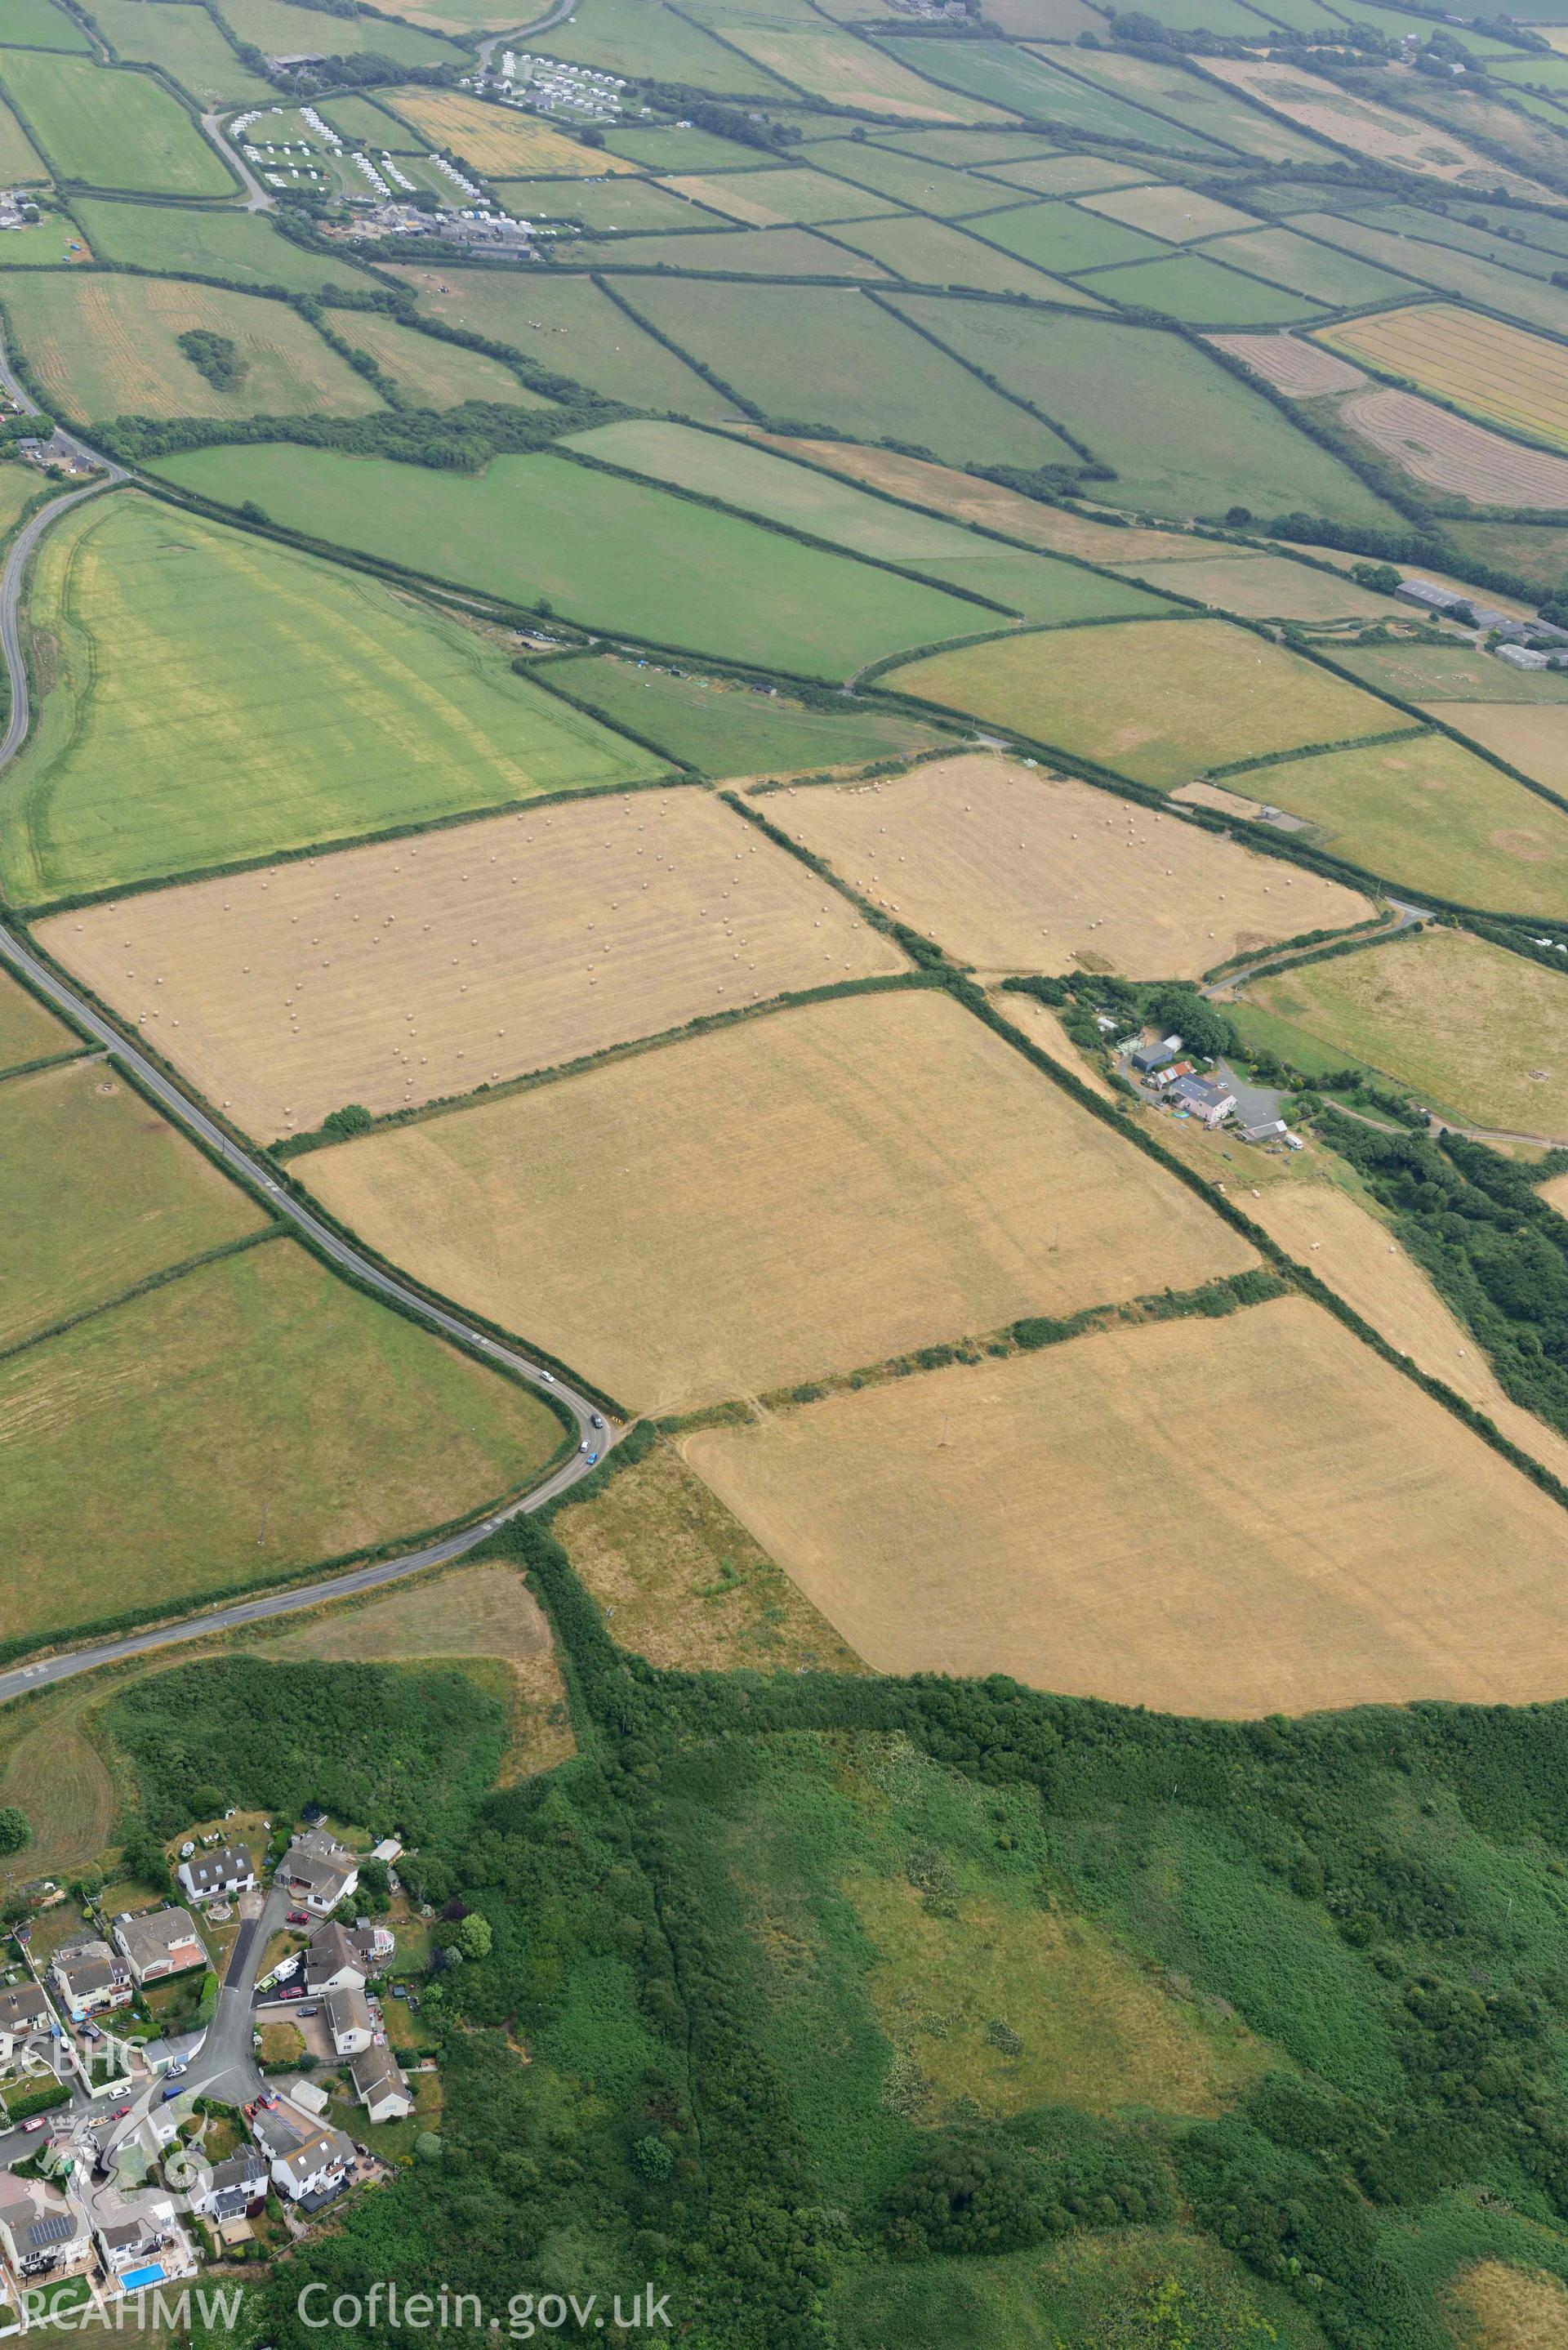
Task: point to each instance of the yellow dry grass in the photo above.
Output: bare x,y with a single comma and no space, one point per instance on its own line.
411,969
791,1196
1300,369
969,499
1532,736
732,200
1044,1029
1453,455
828,63
682,1582
1013,869
496,140
1364,129
1483,365
477,1611
1223,1518
1352,1250
1495,2307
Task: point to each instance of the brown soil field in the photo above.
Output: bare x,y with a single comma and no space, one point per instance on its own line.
683,1581
1354,1252
1491,2306
1455,455
1532,736
1302,369
1044,1029
969,499
411,969
484,1611
1221,1518
793,1195
1013,869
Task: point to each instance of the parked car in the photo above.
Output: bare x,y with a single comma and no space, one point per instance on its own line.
298,1918
294,1991
39,2122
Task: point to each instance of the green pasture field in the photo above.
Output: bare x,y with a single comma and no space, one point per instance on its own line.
751,252
661,148
1043,20
721,728
965,146
1539,552
1229,18
427,371
1285,259
1162,701
1064,236
1066,175
926,185
1031,87
1189,286
1436,1012
278,29
1197,105
100,1192
813,355
621,202
1429,815
607,553
1044,591
344,708
29,1032
45,245
1455,672
108,126
824,61
231,1427
1534,248
19,159
941,253
39,24
1263,587
189,47
1184,437
108,346
233,246
801,196
1449,272
567,325
628,37
358,118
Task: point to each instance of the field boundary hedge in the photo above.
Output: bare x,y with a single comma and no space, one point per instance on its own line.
164,1279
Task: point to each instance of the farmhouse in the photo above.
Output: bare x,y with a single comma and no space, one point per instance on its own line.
217,1875
159,1942
1205,1099
348,2018
319,1870
91,1976
380,2086
40,2232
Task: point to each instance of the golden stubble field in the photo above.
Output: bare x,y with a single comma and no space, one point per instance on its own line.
404,972
1223,1518
797,1194
1014,869
1496,372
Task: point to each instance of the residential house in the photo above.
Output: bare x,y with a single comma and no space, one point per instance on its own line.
380,2086
40,2232
318,1871
232,2190
127,2234
315,2167
1203,1097
91,1977
23,2011
338,1959
159,1942
218,1876
348,2019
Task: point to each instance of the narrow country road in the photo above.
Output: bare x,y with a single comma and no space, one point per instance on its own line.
594,1434
544,24
256,197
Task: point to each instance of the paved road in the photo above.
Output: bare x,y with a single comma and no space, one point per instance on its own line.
1407,914
553,17
187,1113
256,197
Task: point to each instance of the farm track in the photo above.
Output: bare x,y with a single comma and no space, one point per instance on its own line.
248,1171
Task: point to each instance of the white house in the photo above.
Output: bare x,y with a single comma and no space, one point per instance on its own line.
315,2167
318,1871
380,2086
159,1942
347,2019
218,1876
91,1976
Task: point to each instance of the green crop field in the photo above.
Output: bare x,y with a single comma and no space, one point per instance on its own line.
279,29
29,1032
345,709
1197,105
628,37
721,728
662,149
817,356
110,346
233,246
1158,700
748,252
927,186
110,128
1455,672
427,372
1189,286
799,196
1305,268
611,553
1041,91
19,159
100,1194
569,326
623,203
932,253
1438,266
1064,236
1431,816
39,24
188,45
1183,437
231,1428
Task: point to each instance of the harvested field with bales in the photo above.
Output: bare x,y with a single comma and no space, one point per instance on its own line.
247,1419
1003,1518
346,707
100,1194
29,1032
1350,1247
101,347
795,1195
404,972
1450,455
1159,701
1011,869
1301,368
1480,1034
496,142
1493,370
1428,815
